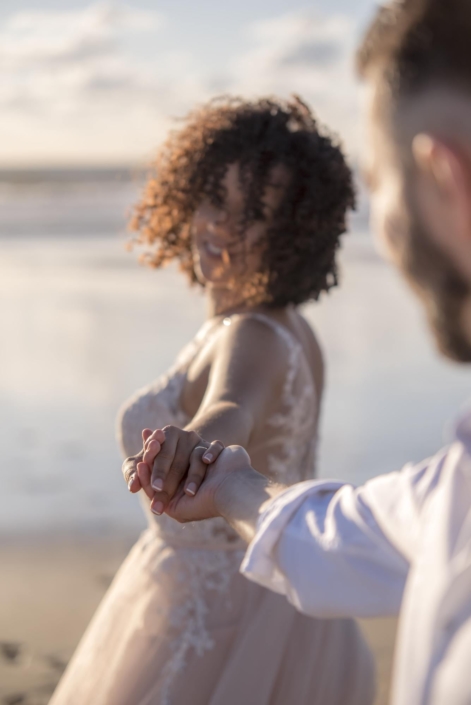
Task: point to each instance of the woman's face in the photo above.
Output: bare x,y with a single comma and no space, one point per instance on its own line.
221,252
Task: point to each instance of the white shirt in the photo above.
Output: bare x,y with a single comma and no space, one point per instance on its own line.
402,542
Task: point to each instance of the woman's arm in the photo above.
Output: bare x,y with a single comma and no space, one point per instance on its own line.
247,375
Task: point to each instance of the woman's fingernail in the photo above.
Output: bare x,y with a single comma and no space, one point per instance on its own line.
208,456
158,508
131,481
158,485
191,489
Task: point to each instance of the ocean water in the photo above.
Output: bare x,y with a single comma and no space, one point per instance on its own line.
83,326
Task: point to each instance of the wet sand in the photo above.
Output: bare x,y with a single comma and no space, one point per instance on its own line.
49,590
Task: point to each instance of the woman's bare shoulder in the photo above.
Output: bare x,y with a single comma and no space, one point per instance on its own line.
252,347
251,334
249,366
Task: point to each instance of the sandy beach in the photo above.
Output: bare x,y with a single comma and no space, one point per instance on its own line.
48,593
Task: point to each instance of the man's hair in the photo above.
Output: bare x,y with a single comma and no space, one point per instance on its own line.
417,44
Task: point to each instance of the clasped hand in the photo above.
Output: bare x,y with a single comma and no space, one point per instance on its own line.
181,473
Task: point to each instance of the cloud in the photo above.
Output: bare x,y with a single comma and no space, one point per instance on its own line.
70,77
50,60
312,53
304,53
45,37
74,85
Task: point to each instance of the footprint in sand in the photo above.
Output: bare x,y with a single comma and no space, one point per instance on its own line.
11,651
19,699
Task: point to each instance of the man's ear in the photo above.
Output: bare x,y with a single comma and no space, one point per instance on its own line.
446,173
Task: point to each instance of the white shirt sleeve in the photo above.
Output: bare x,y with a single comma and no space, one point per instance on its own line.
335,550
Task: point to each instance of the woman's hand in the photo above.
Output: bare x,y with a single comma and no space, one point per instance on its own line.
131,464
169,456
179,461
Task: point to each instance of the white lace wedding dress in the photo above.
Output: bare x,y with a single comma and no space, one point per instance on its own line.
180,625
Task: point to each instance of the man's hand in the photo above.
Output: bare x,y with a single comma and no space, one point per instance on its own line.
226,484
232,463
232,489
169,457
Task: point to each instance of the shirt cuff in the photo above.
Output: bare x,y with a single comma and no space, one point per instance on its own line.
260,561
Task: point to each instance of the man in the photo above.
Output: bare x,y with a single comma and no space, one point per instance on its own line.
402,541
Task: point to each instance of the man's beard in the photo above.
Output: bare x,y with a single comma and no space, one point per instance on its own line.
440,286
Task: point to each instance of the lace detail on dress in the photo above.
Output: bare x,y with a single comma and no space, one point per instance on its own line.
220,549
204,573
296,447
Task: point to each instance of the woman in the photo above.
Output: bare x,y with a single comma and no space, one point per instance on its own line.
251,198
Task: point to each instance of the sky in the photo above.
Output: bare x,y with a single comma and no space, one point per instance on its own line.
102,82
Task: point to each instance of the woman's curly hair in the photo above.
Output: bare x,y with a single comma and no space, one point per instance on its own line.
299,250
